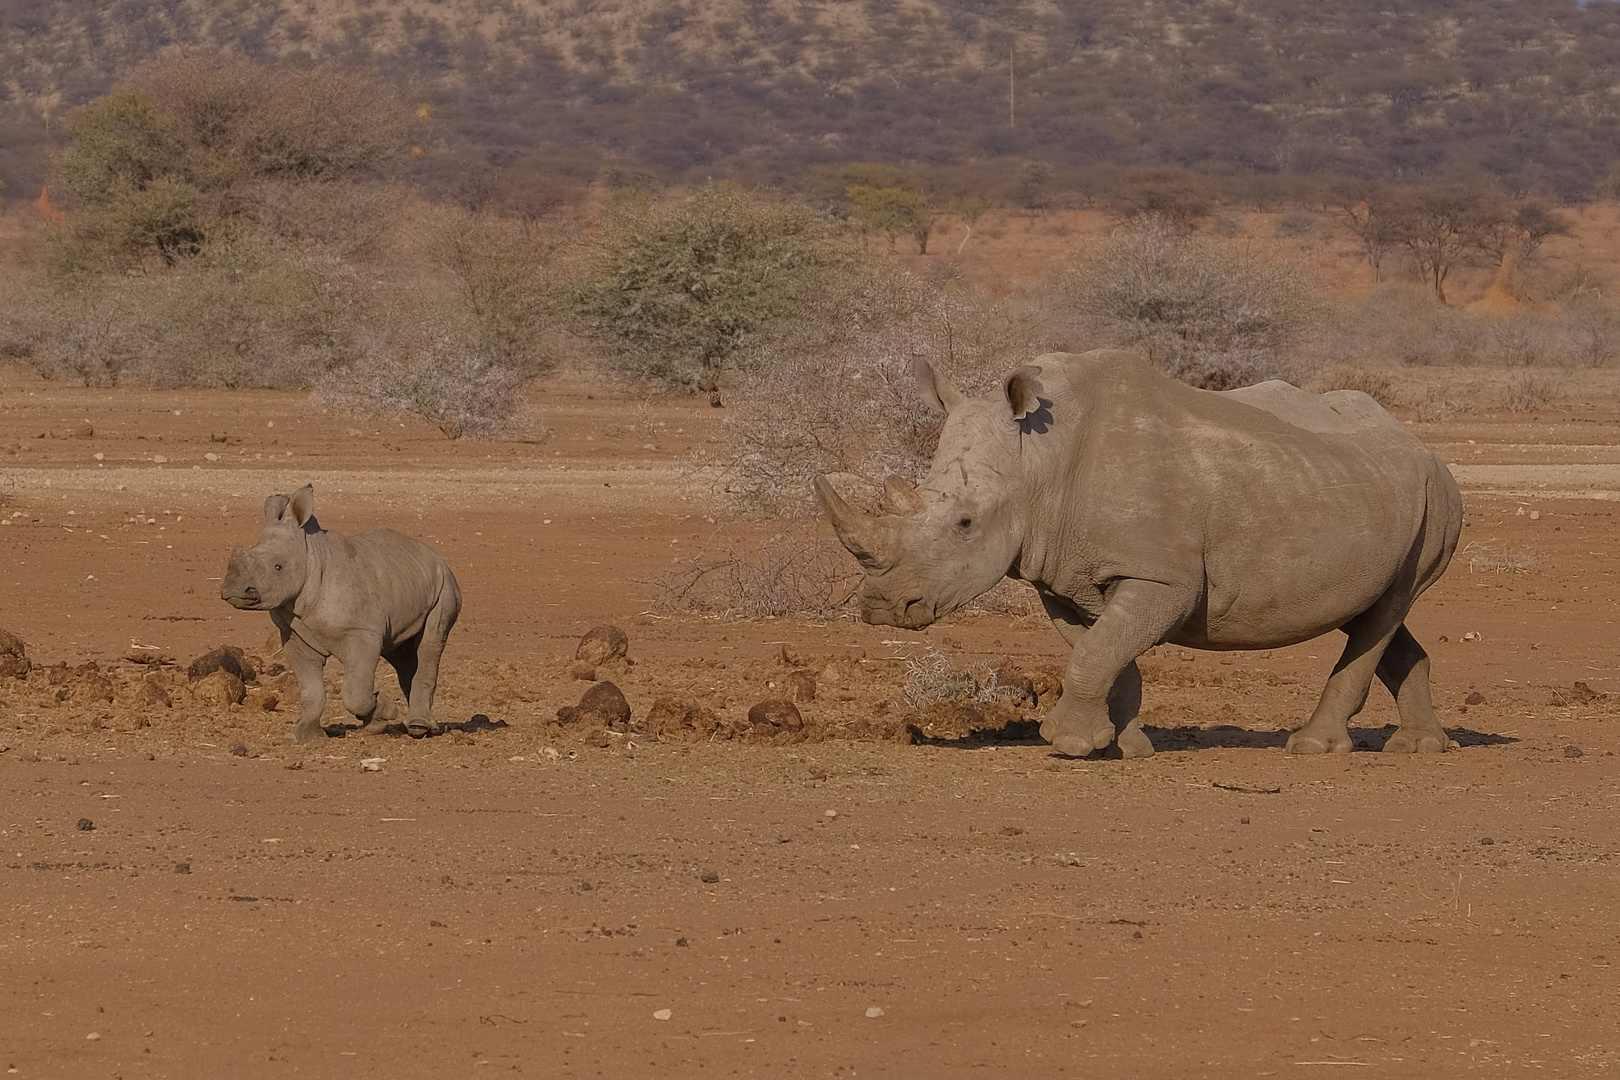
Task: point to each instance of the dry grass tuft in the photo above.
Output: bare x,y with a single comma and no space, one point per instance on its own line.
1495,557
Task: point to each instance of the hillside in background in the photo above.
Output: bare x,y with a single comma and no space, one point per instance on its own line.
1256,93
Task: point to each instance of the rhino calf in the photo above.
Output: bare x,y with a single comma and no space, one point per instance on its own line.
375,596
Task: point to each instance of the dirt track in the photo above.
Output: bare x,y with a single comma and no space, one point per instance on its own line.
525,897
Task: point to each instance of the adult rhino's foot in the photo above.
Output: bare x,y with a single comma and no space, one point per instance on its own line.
419,728
1313,739
1077,729
1421,740
1132,743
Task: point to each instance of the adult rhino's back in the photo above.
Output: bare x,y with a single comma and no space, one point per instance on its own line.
1289,512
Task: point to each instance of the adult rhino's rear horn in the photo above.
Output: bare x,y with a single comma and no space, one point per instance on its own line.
867,536
900,497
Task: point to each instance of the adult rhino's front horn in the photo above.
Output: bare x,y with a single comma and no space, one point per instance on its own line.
869,537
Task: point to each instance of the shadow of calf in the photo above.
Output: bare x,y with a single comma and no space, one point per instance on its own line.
478,722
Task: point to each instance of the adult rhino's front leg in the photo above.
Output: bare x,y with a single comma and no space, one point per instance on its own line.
1124,697
1102,688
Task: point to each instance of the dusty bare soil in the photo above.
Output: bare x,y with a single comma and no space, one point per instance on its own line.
184,896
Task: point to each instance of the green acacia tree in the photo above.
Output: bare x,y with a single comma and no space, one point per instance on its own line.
893,211
679,289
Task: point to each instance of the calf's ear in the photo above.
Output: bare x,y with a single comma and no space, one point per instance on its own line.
303,505
938,392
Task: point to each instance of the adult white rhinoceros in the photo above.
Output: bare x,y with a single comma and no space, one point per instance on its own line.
1145,511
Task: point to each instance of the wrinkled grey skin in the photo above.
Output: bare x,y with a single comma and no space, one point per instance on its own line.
1145,511
378,595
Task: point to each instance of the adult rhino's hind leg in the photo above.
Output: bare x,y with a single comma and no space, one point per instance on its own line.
429,648
1404,669
1328,729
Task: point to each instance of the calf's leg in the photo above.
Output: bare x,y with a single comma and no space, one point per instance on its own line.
360,656
307,665
1404,669
429,647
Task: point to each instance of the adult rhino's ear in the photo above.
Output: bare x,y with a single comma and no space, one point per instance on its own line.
274,507
1023,387
302,505
938,392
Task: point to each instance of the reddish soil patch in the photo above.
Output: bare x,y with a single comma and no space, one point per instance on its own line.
529,896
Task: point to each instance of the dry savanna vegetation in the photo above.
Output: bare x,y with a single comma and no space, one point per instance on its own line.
585,296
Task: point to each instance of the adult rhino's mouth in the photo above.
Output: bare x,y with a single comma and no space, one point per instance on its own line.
907,615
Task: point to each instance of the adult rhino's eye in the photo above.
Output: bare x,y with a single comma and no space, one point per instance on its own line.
965,523
278,566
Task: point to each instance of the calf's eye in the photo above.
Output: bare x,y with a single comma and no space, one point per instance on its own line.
278,566
966,523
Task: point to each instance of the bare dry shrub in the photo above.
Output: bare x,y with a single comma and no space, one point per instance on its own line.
242,313
1407,325
837,394
1438,404
414,357
1205,311
513,278
785,575
1375,384
85,335
348,219
1495,557
459,346
1527,392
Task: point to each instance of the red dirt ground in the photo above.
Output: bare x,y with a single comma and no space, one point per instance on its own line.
529,897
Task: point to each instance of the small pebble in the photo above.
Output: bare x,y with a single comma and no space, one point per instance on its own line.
1571,751
1487,841
239,750
85,824
93,1036
1476,698
708,877
829,814
372,764
873,1013
662,1014
1243,821
182,868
